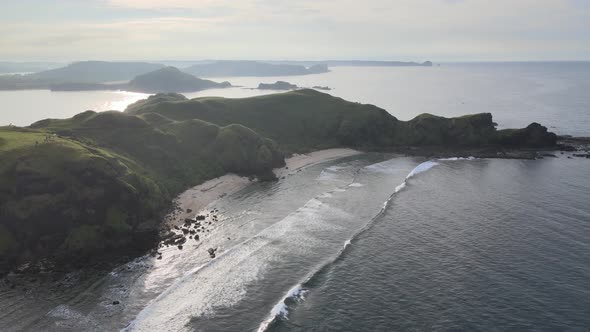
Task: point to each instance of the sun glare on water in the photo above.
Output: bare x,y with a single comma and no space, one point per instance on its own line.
121,100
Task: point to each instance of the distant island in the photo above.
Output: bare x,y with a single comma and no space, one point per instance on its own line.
95,186
85,72
104,75
325,88
252,68
167,79
278,85
358,63
282,85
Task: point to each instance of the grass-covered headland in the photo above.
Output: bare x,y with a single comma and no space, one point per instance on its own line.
97,184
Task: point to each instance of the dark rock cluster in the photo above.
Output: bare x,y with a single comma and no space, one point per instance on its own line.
189,230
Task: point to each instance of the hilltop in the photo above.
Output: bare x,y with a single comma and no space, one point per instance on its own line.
306,120
171,79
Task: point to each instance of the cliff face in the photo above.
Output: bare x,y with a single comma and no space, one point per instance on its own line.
534,135
97,183
469,130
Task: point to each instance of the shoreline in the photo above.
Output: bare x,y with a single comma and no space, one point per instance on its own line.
195,200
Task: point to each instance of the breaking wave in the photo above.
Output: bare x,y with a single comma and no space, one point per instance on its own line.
296,294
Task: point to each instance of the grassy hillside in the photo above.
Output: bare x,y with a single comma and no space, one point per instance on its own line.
61,196
300,120
306,120
98,183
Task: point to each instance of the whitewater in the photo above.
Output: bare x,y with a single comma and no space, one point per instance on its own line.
322,225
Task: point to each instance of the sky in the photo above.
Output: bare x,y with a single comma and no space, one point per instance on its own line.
411,30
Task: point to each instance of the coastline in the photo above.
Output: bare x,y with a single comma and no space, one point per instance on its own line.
195,200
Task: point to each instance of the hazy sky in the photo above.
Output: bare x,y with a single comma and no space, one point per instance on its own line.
439,30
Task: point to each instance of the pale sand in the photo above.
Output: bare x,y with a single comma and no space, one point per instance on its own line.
198,198
299,161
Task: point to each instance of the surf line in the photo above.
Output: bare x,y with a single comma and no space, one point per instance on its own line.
297,292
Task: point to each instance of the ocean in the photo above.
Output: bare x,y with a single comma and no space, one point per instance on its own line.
553,94
373,242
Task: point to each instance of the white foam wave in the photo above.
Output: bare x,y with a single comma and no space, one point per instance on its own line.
356,184
422,168
281,309
400,187
326,175
381,167
335,168
214,285
457,158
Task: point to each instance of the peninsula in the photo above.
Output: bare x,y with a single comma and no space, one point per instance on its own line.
97,185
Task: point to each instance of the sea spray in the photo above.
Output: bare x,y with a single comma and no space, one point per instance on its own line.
423,167
281,309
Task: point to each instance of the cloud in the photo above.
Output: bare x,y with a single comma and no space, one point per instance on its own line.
405,29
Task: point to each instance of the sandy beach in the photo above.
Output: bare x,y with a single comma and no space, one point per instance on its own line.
196,199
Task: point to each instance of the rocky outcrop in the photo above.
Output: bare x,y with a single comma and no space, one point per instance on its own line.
278,85
534,135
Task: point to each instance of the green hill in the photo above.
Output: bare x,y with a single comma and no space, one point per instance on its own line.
170,79
100,186
306,120
97,184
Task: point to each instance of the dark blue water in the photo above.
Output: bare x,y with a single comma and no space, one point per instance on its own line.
482,245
